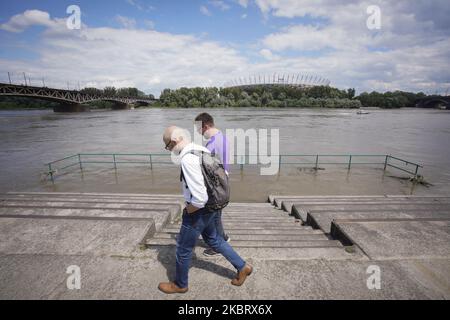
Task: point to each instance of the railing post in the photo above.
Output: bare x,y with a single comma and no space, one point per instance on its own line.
349,162
151,164
279,163
415,173
79,161
385,162
317,162
114,158
50,171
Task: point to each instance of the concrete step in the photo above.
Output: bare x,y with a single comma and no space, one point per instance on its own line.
250,226
287,205
96,194
272,213
271,198
301,211
260,231
256,243
62,236
267,237
251,209
248,204
92,205
276,215
278,254
91,209
260,219
400,239
262,224
160,218
88,200
324,219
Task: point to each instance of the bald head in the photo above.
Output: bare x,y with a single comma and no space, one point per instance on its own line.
178,135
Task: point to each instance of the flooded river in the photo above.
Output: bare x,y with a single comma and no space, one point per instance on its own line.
31,138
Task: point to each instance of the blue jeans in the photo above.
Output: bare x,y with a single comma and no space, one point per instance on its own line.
219,225
204,223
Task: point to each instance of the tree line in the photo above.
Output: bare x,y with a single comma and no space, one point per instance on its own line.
284,97
258,96
119,92
389,100
241,97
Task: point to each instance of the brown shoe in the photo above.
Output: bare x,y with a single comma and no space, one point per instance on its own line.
170,287
242,275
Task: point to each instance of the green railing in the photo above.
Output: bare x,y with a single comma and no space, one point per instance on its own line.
80,159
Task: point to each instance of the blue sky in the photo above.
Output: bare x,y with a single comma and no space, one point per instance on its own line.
166,44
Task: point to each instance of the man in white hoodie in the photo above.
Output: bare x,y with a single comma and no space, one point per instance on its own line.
197,220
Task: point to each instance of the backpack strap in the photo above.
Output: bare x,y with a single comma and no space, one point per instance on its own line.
181,169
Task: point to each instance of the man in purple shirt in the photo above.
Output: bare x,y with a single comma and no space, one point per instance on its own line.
218,146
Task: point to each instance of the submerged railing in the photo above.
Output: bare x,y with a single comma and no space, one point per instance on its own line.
56,167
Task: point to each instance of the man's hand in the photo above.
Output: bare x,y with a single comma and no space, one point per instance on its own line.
190,208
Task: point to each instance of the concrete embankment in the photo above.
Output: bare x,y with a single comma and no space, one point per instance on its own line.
313,248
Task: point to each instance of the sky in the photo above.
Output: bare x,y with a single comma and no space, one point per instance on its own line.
376,45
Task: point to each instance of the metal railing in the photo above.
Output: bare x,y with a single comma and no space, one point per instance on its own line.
56,167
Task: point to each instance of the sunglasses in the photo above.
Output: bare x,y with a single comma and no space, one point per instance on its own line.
167,145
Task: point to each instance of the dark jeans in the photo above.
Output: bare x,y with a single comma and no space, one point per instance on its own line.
204,223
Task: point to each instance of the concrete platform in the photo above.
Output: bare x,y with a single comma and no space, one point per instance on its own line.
137,277
41,234
398,239
301,211
323,219
102,236
287,205
271,199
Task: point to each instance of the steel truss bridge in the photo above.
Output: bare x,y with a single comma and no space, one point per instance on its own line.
70,100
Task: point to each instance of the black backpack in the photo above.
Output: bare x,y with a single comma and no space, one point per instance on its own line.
216,180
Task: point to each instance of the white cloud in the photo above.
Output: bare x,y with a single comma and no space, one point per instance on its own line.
204,10
149,24
243,3
267,54
147,59
408,52
219,4
244,16
20,22
127,23
140,6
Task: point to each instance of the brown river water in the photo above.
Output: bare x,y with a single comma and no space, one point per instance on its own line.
32,138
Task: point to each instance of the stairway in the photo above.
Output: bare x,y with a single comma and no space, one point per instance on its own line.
261,231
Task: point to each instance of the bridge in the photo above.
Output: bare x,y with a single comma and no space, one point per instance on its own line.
442,102
69,100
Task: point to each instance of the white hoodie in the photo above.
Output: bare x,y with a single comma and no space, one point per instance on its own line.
193,184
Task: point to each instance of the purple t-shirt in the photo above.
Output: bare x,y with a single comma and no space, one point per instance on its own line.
218,146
